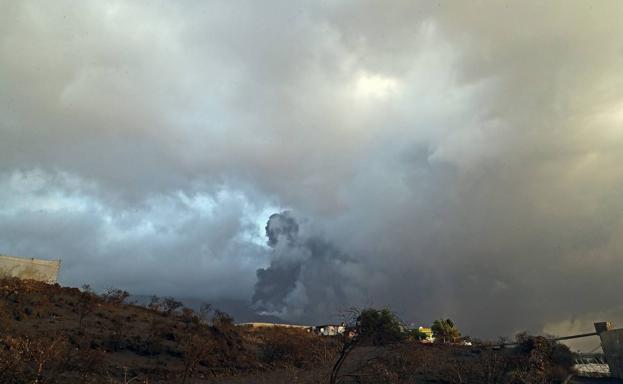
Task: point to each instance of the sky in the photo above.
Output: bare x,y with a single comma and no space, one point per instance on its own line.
445,159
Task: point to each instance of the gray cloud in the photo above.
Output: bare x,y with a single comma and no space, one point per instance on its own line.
183,244
461,160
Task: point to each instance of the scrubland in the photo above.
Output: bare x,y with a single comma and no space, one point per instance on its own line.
54,334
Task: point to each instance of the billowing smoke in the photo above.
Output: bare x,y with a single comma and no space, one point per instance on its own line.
305,278
281,227
276,282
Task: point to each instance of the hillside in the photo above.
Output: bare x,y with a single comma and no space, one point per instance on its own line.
240,310
53,334
56,334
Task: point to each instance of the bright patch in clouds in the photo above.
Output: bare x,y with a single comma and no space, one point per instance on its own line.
375,86
215,233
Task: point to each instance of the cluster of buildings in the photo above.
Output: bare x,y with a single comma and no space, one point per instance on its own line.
333,329
321,330
340,329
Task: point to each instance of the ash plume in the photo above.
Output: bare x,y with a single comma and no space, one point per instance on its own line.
303,280
281,227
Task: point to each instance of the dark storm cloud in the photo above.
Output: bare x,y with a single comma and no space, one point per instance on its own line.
466,157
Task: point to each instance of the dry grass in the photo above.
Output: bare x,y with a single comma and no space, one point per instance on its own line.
536,361
51,334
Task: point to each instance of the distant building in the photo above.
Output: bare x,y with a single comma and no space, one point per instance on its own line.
320,330
330,329
29,268
429,334
275,325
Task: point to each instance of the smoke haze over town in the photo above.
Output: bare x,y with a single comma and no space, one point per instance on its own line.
450,159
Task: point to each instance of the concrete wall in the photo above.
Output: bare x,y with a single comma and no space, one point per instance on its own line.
35,269
274,325
612,344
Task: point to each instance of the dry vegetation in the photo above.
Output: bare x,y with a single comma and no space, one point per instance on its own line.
382,353
52,334
536,361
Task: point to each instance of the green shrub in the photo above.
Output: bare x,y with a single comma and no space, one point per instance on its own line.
379,326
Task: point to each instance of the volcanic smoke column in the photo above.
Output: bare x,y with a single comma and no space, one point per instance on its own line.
305,276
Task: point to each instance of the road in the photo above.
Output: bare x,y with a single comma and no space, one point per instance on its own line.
592,380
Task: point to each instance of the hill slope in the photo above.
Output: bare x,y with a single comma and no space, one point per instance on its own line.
53,334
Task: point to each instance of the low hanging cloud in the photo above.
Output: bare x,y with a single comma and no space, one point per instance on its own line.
195,245
456,160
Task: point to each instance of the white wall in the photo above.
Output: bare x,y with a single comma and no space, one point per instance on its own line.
35,269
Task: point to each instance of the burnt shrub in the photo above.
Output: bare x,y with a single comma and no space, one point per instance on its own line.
544,359
294,347
24,360
222,320
170,305
281,351
144,346
535,360
115,296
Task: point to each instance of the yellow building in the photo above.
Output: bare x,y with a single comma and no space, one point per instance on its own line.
428,332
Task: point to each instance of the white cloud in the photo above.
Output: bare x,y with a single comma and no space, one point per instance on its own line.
375,86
